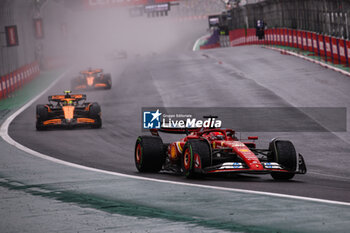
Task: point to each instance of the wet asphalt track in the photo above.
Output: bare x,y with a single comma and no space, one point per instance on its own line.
250,76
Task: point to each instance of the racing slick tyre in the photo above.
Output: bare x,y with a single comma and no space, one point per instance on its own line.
108,81
196,155
42,114
283,153
149,154
95,113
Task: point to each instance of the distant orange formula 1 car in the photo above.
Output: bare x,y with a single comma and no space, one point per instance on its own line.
69,110
92,79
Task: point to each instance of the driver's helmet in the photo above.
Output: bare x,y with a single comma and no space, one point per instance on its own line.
216,136
67,94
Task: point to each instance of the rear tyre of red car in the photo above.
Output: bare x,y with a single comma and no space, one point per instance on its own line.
196,156
149,154
95,113
283,152
42,115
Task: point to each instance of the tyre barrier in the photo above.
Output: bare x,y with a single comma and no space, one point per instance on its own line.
18,78
330,49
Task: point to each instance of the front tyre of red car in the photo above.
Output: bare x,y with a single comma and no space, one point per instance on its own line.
283,152
149,154
196,155
282,175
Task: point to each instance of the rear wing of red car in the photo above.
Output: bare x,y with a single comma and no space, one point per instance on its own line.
174,130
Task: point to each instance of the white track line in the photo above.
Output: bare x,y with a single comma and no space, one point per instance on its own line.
8,139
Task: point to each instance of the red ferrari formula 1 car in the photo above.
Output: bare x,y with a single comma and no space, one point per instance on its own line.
216,150
92,79
68,110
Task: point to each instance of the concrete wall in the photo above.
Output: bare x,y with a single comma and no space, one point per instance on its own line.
22,13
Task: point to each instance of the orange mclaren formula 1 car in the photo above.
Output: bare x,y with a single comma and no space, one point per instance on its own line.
92,79
68,110
216,150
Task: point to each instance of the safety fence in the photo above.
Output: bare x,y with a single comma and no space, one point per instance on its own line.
16,79
330,49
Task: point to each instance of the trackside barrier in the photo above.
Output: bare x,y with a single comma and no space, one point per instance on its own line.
210,46
279,36
295,38
299,39
289,37
309,41
212,42
328,48
238,37
282,32
16,79
334,49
